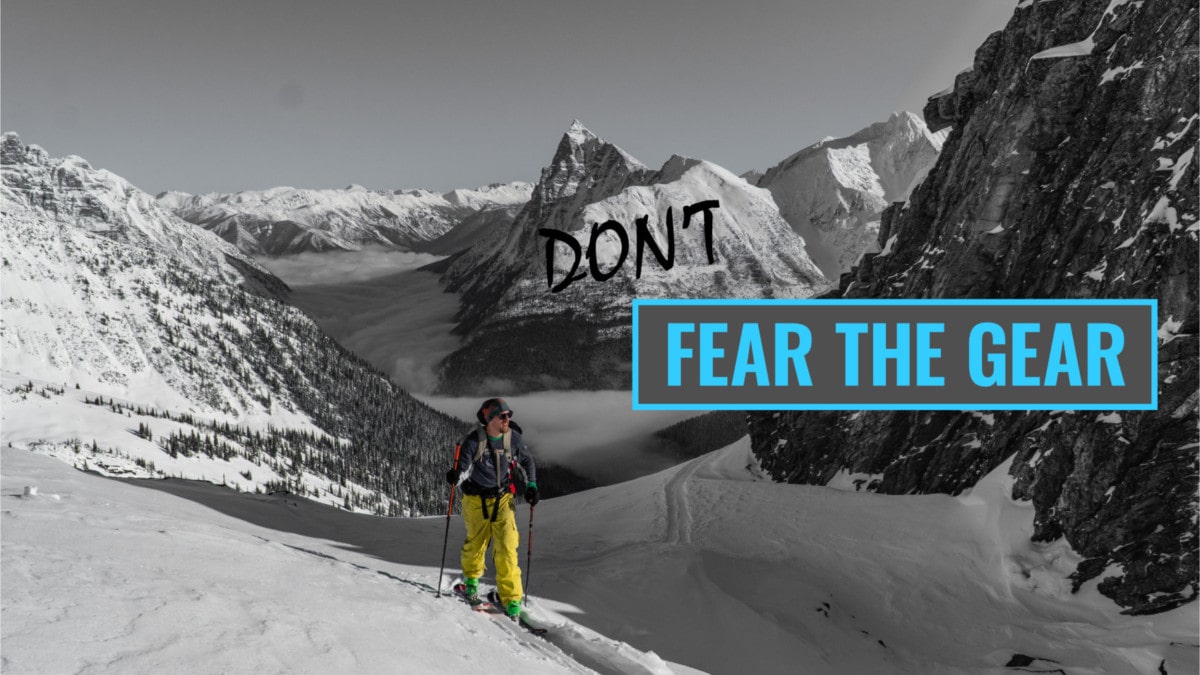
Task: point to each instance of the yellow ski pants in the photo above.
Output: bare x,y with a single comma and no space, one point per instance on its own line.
502,532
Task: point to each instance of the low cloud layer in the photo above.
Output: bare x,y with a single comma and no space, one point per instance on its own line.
333,267
401,322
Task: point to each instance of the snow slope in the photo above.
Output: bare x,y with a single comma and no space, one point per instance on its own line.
705,564
105,288
105,577
107,295
731,573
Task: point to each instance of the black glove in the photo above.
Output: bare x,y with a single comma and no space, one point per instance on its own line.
452,476
531,494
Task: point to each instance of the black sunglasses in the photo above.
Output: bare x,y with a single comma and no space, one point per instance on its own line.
505,416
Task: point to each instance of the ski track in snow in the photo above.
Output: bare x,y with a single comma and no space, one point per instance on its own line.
679,513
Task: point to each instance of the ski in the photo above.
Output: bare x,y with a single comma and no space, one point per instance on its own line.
524,623
491,605
521,619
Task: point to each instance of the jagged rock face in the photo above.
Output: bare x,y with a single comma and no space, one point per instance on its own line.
1070,172
520,336
288,220
834,192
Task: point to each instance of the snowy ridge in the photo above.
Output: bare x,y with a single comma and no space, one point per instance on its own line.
289,220
749,225
138,344
84,255
503,279
585,168
756,253
833,192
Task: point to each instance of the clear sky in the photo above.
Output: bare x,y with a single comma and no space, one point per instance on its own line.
223,96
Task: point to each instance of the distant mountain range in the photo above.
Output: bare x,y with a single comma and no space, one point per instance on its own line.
288,220
115,292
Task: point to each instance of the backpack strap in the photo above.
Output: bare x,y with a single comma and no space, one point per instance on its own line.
481,444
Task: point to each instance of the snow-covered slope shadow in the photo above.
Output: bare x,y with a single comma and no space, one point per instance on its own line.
711,566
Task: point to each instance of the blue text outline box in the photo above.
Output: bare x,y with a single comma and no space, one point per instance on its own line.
1151,303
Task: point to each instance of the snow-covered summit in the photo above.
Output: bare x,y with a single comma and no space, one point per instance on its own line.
97,286
581,161
834,191
36,187
504,280
891,147
585,168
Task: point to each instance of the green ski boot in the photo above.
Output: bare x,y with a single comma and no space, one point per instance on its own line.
513,609
471,591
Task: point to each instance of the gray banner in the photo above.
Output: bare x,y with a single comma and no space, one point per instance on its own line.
993,355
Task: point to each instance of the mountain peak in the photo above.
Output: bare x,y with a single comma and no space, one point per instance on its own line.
904,116
583,157
578,135
834,192
13,151
675,167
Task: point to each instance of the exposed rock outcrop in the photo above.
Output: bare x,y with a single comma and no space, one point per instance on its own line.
1070,172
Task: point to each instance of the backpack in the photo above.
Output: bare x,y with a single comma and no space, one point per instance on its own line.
481,446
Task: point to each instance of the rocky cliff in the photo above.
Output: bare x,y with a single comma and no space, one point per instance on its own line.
1069,172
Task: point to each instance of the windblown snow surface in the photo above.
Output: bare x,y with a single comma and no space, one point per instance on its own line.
705,564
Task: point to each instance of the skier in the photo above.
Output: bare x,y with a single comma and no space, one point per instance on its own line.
489,486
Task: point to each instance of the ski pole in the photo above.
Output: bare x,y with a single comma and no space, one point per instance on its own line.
529,555
449,511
